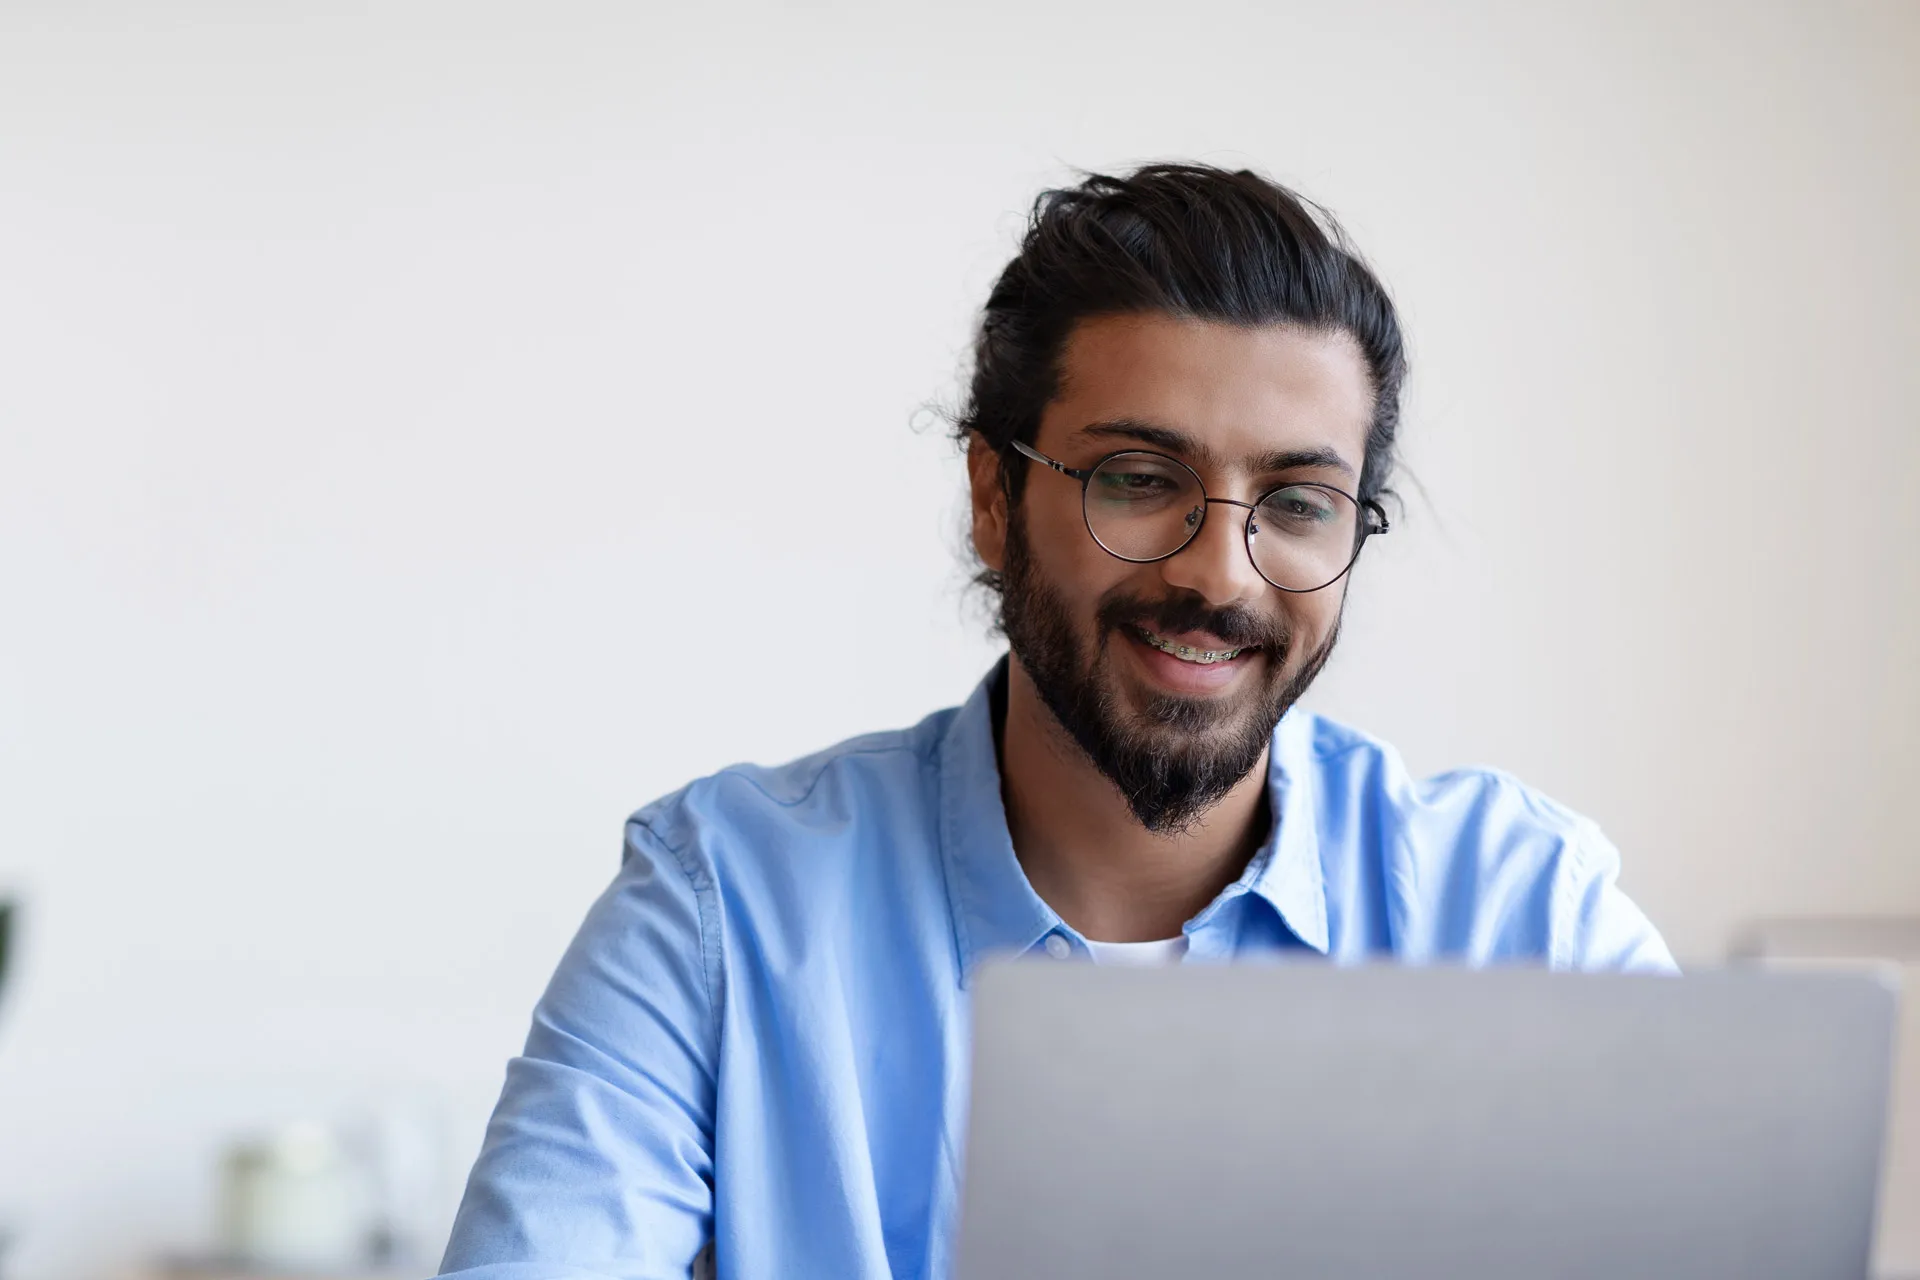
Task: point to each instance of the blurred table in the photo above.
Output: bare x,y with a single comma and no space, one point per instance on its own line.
213,1269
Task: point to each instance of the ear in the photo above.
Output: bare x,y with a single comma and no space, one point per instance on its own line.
984,479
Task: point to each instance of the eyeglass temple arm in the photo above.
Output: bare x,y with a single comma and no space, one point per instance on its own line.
1044,460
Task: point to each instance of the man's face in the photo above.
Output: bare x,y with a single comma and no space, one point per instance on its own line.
1247,409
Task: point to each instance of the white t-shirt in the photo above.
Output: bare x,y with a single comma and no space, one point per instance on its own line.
1164,951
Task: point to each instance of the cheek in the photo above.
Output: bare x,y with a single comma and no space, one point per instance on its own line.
1053,523
1311,619
1068,558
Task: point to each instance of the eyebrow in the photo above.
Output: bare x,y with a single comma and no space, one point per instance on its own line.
1173,440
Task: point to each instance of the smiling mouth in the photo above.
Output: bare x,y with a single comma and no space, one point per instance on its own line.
1187,653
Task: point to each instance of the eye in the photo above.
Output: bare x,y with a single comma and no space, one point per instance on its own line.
1125,483
1138,480
1303,509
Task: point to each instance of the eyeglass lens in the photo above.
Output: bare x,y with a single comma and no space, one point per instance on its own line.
1143,506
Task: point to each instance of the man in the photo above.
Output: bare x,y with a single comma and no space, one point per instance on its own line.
1179,435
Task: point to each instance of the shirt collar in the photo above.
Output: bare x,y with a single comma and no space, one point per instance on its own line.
1287,872
995,908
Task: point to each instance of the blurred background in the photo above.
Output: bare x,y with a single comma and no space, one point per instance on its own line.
430,431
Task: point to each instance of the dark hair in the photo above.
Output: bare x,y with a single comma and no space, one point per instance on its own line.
1188,240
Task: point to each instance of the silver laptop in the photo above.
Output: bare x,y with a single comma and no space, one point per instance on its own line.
1311,1121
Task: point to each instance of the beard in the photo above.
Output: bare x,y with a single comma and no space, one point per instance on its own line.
1173,758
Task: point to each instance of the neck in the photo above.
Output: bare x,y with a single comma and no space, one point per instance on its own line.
1086,854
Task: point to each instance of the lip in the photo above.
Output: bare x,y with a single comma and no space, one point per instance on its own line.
1173,675
1188,644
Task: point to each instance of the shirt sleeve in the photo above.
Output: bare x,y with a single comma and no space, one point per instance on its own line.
598,1161
1601,928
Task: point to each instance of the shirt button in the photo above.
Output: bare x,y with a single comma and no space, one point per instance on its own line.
1058,947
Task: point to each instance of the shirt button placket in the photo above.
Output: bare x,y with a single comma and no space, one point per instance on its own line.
1058,947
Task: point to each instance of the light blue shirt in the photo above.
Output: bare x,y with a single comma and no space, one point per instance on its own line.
759,1037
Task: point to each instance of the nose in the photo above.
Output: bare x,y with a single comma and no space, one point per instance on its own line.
1217,565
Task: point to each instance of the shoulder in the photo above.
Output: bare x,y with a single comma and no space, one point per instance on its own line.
771,854
1355,776
824,800
1351,766
1468,863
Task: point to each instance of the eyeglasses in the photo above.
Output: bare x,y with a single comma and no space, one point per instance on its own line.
1142,506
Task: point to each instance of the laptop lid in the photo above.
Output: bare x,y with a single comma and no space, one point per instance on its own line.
1313,1121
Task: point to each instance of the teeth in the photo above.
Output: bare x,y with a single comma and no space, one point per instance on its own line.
1187,653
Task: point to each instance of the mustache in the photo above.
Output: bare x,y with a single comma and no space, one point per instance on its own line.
1239,628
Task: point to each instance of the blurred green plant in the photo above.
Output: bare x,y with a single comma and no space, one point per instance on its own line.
6,935
6,932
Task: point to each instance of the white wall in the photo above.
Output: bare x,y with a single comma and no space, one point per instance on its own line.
426,437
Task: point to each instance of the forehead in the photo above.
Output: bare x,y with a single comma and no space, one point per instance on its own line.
1241,392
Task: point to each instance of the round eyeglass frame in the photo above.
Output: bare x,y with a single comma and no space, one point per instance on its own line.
1373,515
